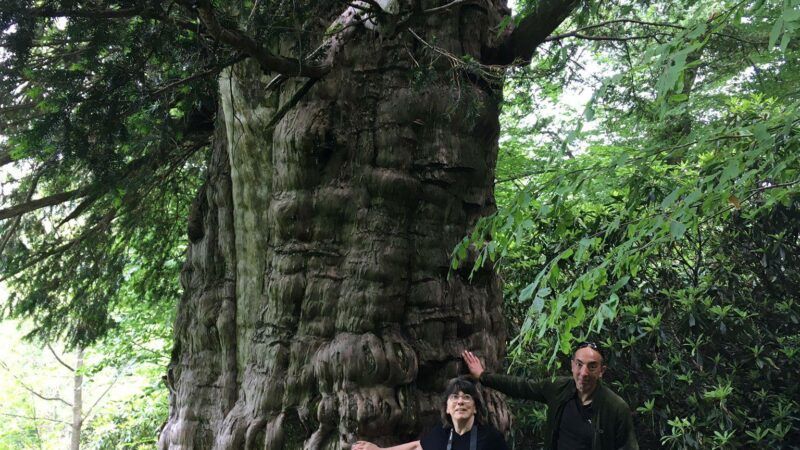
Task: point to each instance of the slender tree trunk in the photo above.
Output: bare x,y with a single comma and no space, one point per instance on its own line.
35,424
77,402
319,306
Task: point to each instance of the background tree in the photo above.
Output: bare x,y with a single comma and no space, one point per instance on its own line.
39,385
659,218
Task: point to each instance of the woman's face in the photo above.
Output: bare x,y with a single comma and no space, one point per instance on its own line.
460,406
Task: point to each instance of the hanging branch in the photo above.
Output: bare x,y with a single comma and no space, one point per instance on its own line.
37,258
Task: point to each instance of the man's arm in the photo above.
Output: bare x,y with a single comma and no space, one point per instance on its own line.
626,436
514,386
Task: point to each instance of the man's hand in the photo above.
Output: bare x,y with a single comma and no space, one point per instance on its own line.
473,364
364,445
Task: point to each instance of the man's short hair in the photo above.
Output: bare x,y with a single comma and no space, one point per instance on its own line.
591,345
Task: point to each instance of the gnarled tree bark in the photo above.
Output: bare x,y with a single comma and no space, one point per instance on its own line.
319,306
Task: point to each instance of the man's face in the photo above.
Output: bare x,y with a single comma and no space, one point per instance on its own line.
587,369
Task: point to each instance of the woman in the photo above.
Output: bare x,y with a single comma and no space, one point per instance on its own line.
462,426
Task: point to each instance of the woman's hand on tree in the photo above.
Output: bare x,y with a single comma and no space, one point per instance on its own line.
364,445
473,364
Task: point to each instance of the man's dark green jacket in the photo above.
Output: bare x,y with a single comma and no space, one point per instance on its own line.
612,421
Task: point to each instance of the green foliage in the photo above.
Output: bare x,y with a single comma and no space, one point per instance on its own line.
111,119
133,425
124,400
19,434
660,220
106,112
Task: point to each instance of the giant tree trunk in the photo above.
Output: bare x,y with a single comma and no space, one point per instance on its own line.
319,307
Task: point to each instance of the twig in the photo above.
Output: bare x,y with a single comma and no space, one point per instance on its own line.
577,32
31,390
87,13
443,8
55,355
34,418
483,69
210,71
252,15
291,103
108,388
598,38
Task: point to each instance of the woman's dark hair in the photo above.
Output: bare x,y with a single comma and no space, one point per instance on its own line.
466,386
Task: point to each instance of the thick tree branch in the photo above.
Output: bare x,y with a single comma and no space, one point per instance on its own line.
243,42
534,29
39,203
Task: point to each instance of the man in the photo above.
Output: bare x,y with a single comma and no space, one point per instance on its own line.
582,413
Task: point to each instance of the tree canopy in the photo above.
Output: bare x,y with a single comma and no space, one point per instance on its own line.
104,113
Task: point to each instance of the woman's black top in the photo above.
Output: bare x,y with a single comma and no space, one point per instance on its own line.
488,439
